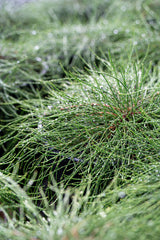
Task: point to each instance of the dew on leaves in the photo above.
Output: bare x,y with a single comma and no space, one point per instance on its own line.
33,32
36,47
38,59
115,31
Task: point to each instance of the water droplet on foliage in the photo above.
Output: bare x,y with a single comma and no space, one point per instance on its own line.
121,195
33,32
36,47
102,214
55,213
115,31
59,231
40,126
38,59
50,107
139,73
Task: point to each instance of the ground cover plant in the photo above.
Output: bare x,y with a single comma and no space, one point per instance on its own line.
80,120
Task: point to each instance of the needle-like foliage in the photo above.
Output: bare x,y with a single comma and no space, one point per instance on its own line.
79,119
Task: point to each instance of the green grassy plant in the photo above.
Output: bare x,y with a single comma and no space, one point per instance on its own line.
111,126
129,212
79,120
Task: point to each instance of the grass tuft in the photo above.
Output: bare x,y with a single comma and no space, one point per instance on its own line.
79,120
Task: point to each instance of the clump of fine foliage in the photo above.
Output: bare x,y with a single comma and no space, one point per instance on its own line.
80,120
